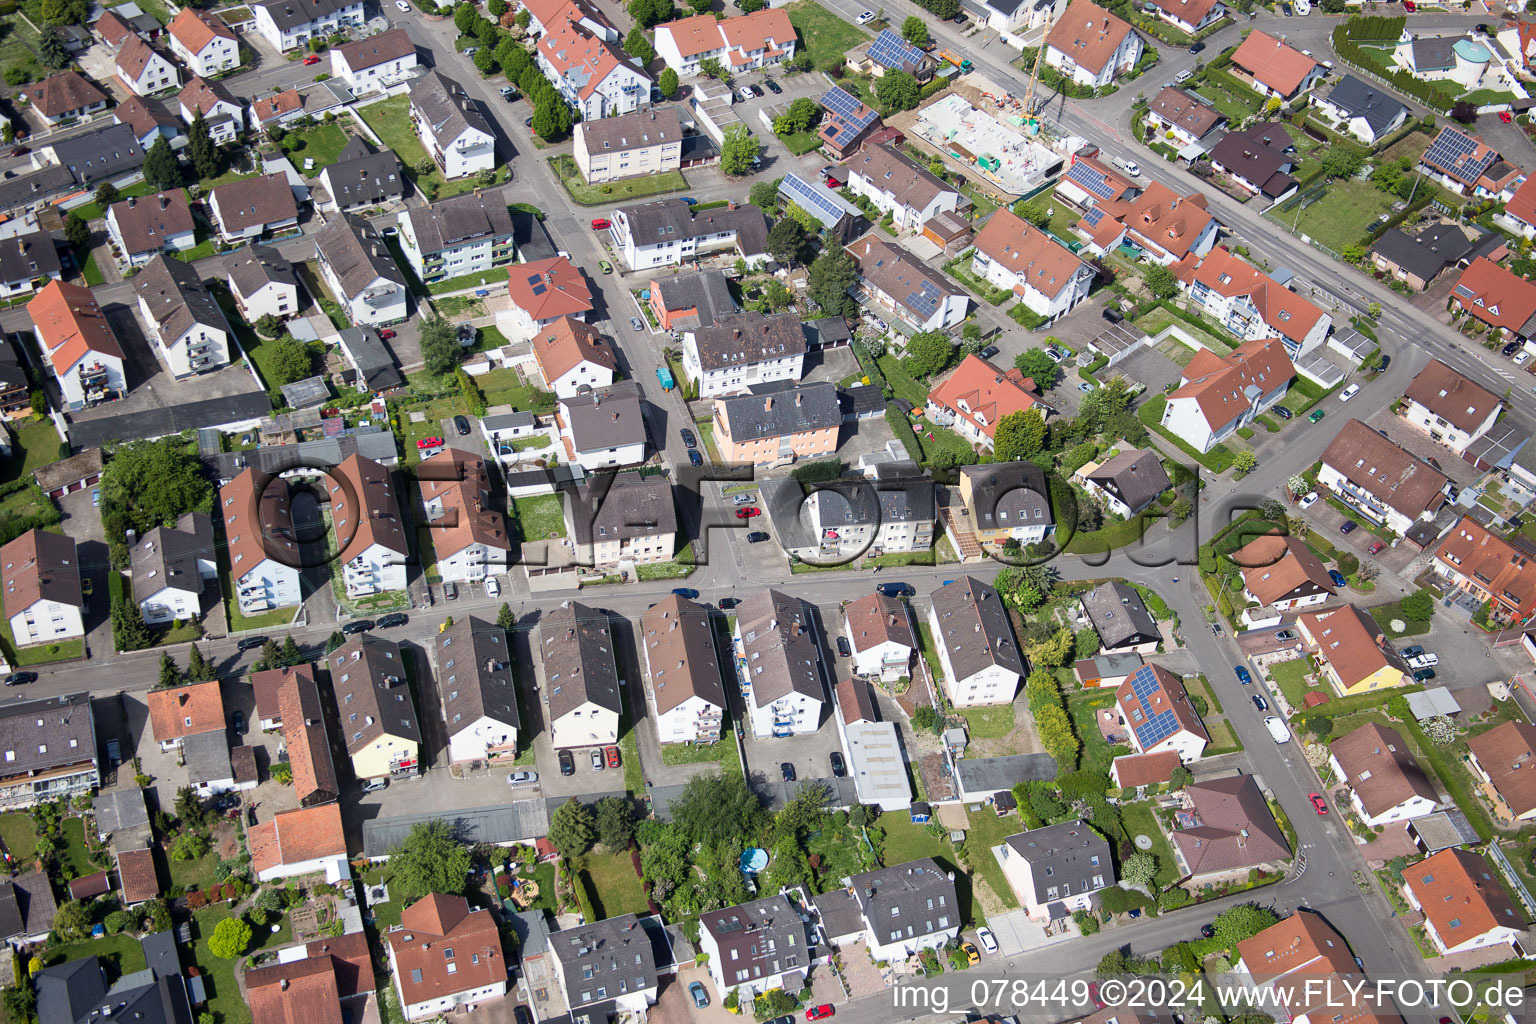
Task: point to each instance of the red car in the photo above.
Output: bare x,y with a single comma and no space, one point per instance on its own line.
599,223
1506,116
386,334
21,151
1377,546
821,1012
748,513
313,58
1410,6
430,442
612,754
1318,802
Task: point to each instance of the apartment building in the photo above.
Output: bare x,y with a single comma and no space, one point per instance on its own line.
977,649
742,350
453,238
682,671
185,321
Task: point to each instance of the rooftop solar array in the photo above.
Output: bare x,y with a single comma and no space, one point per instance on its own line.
1093,216
1451,151
849,116
820,202
891,51
1158,727
1090,180
925,299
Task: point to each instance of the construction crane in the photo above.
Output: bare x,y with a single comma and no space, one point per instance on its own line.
1032,122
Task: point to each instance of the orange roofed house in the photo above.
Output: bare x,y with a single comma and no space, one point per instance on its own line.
977,395
1190,16
468,534
1274,67
444,955
1164,225
78,344
1287,953
1467,165
304,733
1091,46
304,842
203,42
1464,903
1253,305
590,74
1014,254
1219,394
1351,651
544,291
1497,297
1491,569
182,711
572,357
258,535
1282,573
744,43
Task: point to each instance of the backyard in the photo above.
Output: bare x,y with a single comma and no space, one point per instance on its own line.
322,143
615,191
18,46
611,883
823,34
224,996
1139,820
391,121
538,517
906,841
1342,217
1228,95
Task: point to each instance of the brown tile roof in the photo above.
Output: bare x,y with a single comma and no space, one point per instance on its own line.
548,288
182,711
87,886
1159,215
1506,572
1027,251
1236,827
739,339
70,325
40,566
111,28
309,748
854,702
678,643
1391,474
134,57
576,646
1272,62
1088,34
1379,768
1507,753
293,837
639,129
200,94
1302,942
1179,108
351,960
252,529
66,91
428,930
195,29
270,108
371,693
375,50
876,618
1349,640
1496,295
1144,769
893,171
298,992
1191,12
1217,383
565,343
365,509
699,34
1275,566
267,684
73,470
242,761
264,199
143,116
146,223
1460,896
457,483
1463,403
137,875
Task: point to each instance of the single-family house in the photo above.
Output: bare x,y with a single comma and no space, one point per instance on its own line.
1007,501
468,535
305,841
177,712
375,712
690,300
900,186
202,42
1015,255
171,565
361,178
604,428
1158,715
1282,573
765,944
1364,110
1091,46
668,233
375,62
82,352
1504,757
1259,159
544,293
1127,482
571,356
1502,573
454,132
246,210
976,396
1054,871
43,600
906,908
262,284
1448,406
1275,68
1217,395
1181,116
1117,613
1229,830
445,955
580,679
880,633
222,113
1385,783
143,70
142,227
1418,259
65,96
1465,906
1467,165
977,650
1351,650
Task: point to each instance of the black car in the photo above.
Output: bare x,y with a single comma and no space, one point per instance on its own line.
839,769
772,86
988,352
897,589
1260,703
461,425
726,603
20,678
1349,526
521,1015
842,647
567,763
250,643
1484,30
1512,348
1197,48
787,770
527,122
1412,651
694,458
688,438
959,19
1207,931
1114,316
1282,412
394,619
1423,675
756,537
239,723
354,628
1386,361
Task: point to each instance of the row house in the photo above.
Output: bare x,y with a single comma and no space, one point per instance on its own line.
918,296
1254,306
477,691
682,671
743,43
581,682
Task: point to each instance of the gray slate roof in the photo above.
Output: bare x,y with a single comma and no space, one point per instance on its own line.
168,556
362,176
1362,99
291,14
368,680
28,189
1070,853
702,290
913,899
474,674
609,417
207,756
782,656
621,506
668,219
1119,616
465,218
1135,476
39,735
447,107
178,300
250,270
122,814
497,824
171,419
1434,53
749,337
357,254
103,155
763,938
576,646
370,442
26,905
974,628
792,410
28,256
637,130
373,360
611,956
1008,493
1428,253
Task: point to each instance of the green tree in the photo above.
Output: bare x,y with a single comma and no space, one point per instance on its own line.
51,51
268,325
497,8
1053,652
106,194
1035,364
439,346
717,808
231,937
1034,213
914,30
668,82
1397,707
1245,461
709,67
1241,923
286,360
199,668
64,12
464,18
335,640
1019,435
77,231
1341,160
189,846
798,117
129,633
1181,509
572,829
546,119
73,920
291,654
161,168
430,859
1419,605
170,674
282,773
639,47
485,61
785,240
898,91
614,818
765,196
1139,869
738,150
505,618
189,808
650,12
924,717
1088,643
200,147
270,656
828,280
1160,282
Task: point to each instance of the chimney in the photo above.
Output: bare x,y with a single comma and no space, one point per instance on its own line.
799,398
164,201
768,404
132,202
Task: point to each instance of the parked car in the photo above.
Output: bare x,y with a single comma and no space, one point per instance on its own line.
1197,48
393,620
1286,635
988,352
359,626
744,499
688,439
787,771
508,93
636,323
567,763
985,937
1260,703
1350,526
461,424
239,722
1308,501
1242,675
972,954
522,778
689,200
21,150
1087,386
114,753
605,266
756,537
864,18
688,592
20,678
1511,348
1207,931
839,768
1216,630
1338,578
700,997
1424,661
492,587
694,458
597,760
1376,545
842,647
1423,675
1505,116
450,590
1349,392
1282,412
1317,414
250,643
772,86
1318,803
96,497
599,223
611,753
1183,76
385,334
749,512
369,786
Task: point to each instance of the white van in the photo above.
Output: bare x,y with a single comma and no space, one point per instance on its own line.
1277,729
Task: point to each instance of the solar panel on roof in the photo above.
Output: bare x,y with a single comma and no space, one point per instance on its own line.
840,102
1090,180
926,299
891,51
821,203
1451,146
1093,217
1157,728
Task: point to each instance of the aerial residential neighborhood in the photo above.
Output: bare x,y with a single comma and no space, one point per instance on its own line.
570,512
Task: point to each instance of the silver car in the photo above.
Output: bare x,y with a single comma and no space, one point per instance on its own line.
522,778
636,323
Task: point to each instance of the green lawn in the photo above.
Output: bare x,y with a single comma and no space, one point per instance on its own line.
322,143
1342,217
38,654
1139,820
1083,706
565,169
18,46
1290,677
1385,613
193,874
991,723
39,442
1160,318
92,211
801,143
391,120
19,836
72,854
257,349
91,272
274,619
985,831
722,753
823,34
539,516
1217,460
905,842
483,279
1228,95
612,884
122,954
502,387
224,997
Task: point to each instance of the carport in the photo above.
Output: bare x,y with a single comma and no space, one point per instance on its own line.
1118,341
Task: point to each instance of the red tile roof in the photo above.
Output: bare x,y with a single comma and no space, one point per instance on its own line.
1273,63
1507,753
566,344
763,29
578,56
1459,895
1349,640
70,325
351,959
1216,382
183,711
1289,315
195,29
1088,34
1028,252
1495,295
548,288
432,927
693,36
988,393
1144,769
293,837
1507,574
1159,216
1301,943
137,875
1274,566
298,992
1522,205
